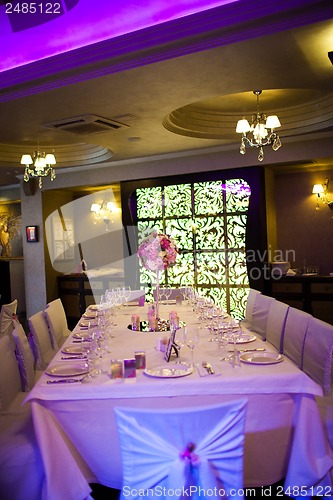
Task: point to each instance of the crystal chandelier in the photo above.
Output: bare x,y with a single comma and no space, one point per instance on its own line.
260,132
38,165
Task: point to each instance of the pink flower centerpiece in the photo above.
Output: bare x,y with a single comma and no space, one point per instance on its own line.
157,252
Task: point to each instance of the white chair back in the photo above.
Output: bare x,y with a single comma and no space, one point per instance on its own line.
179,447
276,323
10,381
294,335
172,294
249,307
57,322
260,314
25,358
42,340
137,297
7,315
318,351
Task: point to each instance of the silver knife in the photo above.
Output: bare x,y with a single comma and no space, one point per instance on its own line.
249,350
75,356
64,381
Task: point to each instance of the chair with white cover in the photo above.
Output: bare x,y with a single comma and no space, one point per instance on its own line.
294,335
184,447
317,363
136,298
276,323
7,315
249,307
57,322
21,469
44,349
25,359
318,351
261,307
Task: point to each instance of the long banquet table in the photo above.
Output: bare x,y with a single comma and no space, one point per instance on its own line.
77,435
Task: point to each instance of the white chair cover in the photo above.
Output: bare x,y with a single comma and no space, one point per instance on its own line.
25,358
57,322
10,381
276,322
7,314
294,335
42,340
171,449
318,350
21,471
137,297
249,307
174,294
260,313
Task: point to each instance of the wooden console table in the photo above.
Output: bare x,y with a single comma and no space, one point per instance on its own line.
313,294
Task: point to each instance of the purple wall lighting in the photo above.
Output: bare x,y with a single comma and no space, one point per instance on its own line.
33,30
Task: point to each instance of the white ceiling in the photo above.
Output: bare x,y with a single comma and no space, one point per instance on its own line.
291,67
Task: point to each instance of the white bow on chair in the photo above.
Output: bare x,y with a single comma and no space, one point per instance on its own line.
154,462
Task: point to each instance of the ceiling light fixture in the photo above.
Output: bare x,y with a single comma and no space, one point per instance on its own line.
256,134
38,165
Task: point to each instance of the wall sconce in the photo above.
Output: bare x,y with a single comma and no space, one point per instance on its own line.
321,190
103,212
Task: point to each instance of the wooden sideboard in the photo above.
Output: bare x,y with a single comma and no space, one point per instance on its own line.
313,294
77,292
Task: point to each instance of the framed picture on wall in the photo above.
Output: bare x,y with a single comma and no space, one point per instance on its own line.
32,234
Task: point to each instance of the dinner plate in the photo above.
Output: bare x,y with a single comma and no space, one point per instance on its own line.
89,315
261,358
169,371
85,323
73,349
245,337
94,307
85,335
68,369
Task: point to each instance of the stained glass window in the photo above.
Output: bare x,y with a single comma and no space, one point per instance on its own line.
208,222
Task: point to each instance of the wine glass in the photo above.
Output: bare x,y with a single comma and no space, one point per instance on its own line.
191,334
223,340
180,341
126,294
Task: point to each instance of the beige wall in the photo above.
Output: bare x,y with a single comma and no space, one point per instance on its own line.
300,227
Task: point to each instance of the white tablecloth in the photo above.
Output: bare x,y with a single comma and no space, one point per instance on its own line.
77,435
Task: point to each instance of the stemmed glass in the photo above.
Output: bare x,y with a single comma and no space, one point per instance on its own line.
126,294
224,340
167,293
191,335
180,341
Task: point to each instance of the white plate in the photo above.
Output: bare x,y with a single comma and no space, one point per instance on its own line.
73,349
86,322
89,315
94,307
169,371
82,335
68,369
246,337
261,358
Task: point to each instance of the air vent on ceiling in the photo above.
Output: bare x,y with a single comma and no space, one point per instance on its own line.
86,124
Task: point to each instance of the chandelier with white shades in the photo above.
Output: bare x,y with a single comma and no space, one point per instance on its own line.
38,165
260,132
